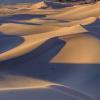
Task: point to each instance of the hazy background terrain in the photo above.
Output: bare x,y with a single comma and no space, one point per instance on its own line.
17,1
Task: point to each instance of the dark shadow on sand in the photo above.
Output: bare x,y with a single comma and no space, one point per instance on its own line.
36,94
25,23
36,64
57,5
9,42
94,28
14,18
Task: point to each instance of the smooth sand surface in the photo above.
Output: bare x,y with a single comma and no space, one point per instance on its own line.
50,51
81,48
20,29
83,11
22,82
47,93
39,5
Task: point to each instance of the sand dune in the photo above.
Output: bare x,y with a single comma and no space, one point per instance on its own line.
9,43
16,82
20,29
52,92
50,50
80,49
39,5
83,12
85,21
33,41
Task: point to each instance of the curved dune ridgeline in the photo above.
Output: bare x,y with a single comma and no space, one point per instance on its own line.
50,51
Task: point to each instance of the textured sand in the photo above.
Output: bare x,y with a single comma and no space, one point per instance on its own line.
46,49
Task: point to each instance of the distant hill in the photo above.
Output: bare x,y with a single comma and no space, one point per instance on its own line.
16,1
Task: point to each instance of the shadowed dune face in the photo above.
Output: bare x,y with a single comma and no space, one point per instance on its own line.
36,52
9,42
93,28
21,17
38,94
49,52
56,5
37,65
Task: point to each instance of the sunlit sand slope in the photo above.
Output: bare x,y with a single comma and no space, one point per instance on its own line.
81,48
33,41
79,12
48,52
39,5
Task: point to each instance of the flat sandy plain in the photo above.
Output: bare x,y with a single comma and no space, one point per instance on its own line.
50,51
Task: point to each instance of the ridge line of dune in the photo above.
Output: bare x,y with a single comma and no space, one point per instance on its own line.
39,39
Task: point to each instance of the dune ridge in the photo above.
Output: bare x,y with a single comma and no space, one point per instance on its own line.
50,50
39,5
32,42
82,12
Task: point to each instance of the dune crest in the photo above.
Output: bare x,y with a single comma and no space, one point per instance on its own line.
80,49
39,5
50,51
83,11
33,41
15,82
